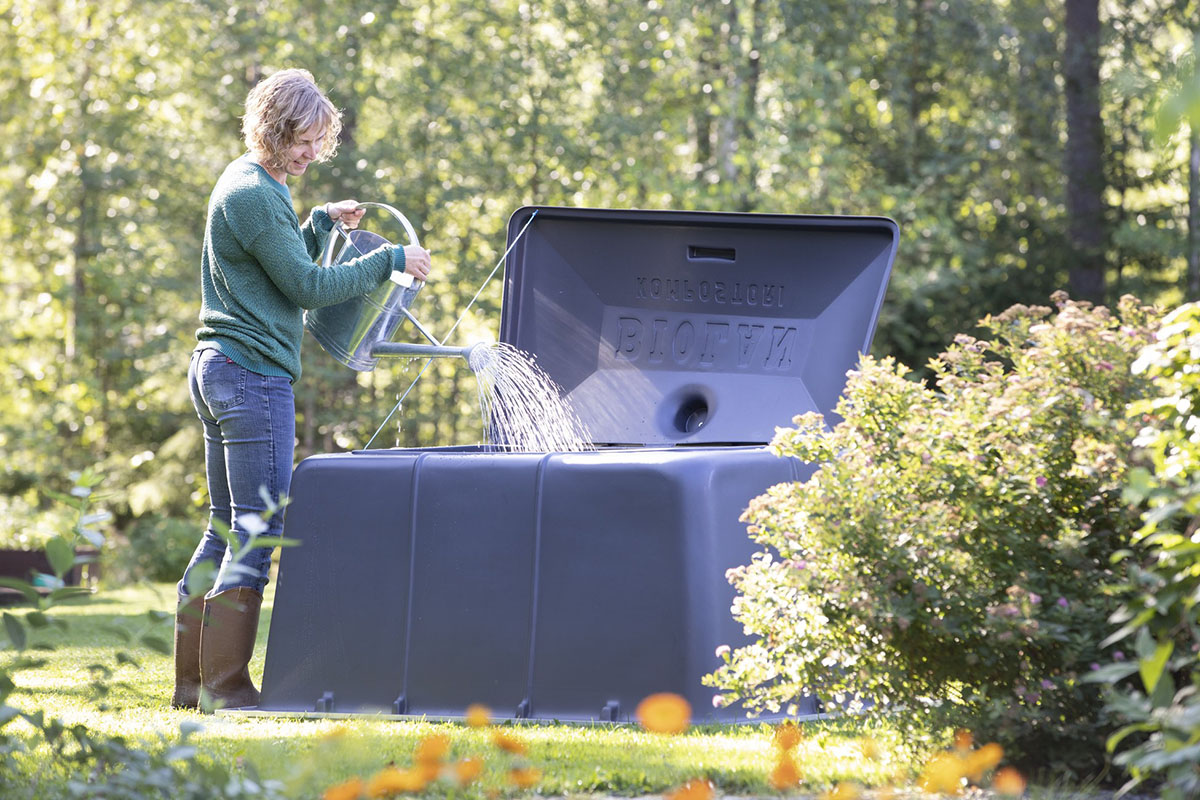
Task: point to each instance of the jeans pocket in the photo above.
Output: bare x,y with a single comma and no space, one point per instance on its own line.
222,382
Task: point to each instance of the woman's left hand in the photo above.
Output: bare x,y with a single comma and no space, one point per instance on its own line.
348,211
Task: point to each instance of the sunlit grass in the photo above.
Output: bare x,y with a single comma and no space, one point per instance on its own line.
310,755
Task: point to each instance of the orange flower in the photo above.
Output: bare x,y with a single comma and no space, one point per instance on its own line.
943,775
1009,782
428,770
468,770
695,789
524,777
787,736
664,713
508,743
786,774
391,781
478,715
350,790
981,760
963,740
432,749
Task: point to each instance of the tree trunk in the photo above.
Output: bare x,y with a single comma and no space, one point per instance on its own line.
1193,235
1085,149
750,109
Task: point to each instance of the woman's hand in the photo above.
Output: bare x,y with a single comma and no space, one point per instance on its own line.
416,261
348,211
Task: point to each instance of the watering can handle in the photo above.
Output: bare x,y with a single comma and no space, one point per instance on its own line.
339,229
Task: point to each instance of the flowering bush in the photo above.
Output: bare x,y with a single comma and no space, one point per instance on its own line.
951,556
1161,623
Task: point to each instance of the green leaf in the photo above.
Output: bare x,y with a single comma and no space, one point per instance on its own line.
24,587
200,578
1152,667
225,533
69,593
1134,625
1111,673
65,499
187,728
61,555
1164,691
180,753
15,631
1139,484
1116,738
94,537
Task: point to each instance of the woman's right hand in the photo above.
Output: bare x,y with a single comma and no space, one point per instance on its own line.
416,261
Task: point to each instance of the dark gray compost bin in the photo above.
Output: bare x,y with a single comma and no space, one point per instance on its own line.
571,585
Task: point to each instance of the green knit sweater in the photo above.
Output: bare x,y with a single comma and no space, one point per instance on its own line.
258,271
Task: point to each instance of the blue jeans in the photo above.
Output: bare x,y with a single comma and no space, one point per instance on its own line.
249,440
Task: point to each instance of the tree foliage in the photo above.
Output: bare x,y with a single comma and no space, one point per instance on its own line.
948,116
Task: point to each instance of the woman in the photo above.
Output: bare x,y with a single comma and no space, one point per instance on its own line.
258,273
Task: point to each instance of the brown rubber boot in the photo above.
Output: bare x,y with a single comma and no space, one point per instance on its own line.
226,645
189,615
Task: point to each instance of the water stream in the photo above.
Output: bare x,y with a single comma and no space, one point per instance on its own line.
523,410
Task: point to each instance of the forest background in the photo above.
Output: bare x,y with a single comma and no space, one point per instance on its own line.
1022,145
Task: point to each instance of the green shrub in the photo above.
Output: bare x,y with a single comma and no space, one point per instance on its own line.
1161,624
951,556
155,549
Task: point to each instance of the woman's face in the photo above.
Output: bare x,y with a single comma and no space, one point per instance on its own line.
304,151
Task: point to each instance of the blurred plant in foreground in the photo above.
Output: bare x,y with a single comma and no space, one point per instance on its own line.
1161,622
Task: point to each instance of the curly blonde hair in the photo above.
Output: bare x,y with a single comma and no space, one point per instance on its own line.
281,108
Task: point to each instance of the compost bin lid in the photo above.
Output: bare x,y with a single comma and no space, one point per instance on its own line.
692,327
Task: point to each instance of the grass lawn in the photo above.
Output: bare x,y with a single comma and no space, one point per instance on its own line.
311,755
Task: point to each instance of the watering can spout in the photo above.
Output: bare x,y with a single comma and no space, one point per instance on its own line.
408,350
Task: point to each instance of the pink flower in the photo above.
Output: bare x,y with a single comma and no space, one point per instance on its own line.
718,700
1104,365
1040,480
1063,603
1118,655
1035,598
1047,684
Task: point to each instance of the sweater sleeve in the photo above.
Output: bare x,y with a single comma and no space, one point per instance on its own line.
315,231
282,251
